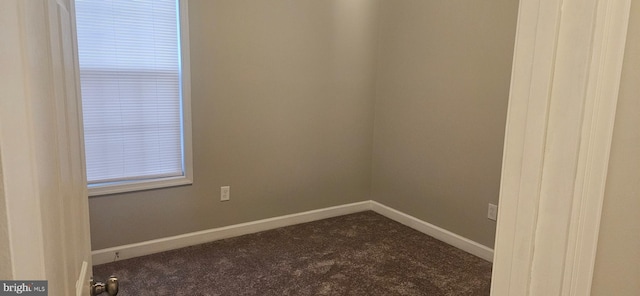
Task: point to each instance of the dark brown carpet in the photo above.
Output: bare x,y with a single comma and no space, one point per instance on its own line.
358,254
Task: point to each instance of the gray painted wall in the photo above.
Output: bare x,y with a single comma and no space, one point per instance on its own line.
442,89
282,103
617,268
283,99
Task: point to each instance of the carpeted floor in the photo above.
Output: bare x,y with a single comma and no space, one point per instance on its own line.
357,254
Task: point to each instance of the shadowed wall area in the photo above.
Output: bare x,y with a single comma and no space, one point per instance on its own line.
441,103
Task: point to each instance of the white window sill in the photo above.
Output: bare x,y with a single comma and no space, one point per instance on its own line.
131,186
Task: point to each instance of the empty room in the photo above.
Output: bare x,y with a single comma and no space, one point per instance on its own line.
320,147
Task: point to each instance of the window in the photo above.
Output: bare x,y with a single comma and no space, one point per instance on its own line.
133,58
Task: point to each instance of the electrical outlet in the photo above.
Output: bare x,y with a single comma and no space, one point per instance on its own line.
492,214
225,192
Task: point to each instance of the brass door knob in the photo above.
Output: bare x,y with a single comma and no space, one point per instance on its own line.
111,287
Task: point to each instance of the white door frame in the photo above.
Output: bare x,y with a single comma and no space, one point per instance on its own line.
564,90
44,183
24,223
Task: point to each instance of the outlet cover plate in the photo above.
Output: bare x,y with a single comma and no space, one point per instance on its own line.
492,213
225,193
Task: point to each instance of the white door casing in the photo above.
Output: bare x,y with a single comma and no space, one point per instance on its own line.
564,89
41,146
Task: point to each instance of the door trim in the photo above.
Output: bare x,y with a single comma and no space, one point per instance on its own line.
19,167
564,89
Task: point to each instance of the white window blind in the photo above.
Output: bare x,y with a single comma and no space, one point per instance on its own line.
130,76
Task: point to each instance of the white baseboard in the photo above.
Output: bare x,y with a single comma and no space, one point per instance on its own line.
200,237
436,232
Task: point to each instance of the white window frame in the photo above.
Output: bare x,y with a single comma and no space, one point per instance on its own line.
187,177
